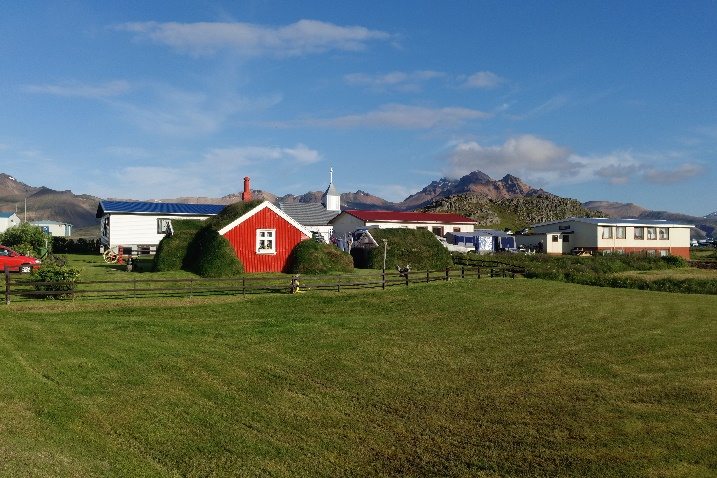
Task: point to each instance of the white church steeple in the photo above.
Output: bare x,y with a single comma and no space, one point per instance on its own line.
331,199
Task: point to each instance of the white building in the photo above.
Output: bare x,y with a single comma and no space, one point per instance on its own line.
8,219
584,234
437,223
54,228
140,226
317,217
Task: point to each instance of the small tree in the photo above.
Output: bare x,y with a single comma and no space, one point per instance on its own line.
26,239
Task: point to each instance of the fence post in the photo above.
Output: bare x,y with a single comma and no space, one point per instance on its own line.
243,286
383,279
407,272
448,269
478,272
7,285
134,288
428,275
463,272
191,287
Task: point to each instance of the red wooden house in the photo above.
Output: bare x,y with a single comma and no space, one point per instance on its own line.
264,237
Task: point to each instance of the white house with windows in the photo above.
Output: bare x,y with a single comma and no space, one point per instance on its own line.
139,226
612,235
436,222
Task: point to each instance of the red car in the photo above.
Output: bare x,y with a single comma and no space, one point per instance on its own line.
16,261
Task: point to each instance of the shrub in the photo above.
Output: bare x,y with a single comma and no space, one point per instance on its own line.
26,239
211,255
418,248
171,251
227,215
312,257
58,278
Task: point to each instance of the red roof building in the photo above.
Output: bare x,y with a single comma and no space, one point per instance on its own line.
264,238
436,222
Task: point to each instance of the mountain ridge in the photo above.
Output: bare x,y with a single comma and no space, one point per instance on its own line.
508,200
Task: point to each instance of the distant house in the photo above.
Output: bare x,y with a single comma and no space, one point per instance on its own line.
54,228
264,237
622,236
139,226
437,223
8,219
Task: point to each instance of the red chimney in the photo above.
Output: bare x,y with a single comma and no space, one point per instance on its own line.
246,195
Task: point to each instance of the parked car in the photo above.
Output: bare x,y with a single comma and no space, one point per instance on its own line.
16,261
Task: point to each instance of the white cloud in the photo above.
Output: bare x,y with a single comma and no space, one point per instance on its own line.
522,155
403,117
395,80
483,80
246,39
541,162
82,90
673,175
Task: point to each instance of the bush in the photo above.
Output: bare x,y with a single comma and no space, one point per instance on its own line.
171,251
65,245
312,257
418,248
27,239
211,255
57,278
227,215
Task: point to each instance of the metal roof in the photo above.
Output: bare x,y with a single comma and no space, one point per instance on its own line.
155,208
614,221
308,214
7,214
396,216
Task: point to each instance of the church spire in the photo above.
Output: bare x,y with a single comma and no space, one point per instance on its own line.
331,198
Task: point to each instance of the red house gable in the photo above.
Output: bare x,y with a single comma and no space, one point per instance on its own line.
264,237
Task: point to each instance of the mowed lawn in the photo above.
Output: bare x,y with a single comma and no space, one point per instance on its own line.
467,378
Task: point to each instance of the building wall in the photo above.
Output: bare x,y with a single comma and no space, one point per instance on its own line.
589,237
446,227
8,222
130,230
243,240
346,223
55,229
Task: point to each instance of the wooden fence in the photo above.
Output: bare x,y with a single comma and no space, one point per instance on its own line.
19,286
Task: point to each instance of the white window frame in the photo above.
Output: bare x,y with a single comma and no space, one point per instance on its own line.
162,223
620,232
266,241
639,233
607,232
651,233
663,233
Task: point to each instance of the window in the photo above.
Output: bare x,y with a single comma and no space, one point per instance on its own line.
456,229
566,238
651,252
664,253
639,233
265,243
556,238
651,234
663,233
620,232
607,232
438,231
163,224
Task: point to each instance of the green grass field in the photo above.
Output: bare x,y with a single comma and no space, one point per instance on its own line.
467,378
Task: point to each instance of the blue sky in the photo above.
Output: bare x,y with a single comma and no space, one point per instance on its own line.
603,100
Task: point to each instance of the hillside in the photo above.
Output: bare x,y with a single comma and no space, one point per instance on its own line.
516,212
705,226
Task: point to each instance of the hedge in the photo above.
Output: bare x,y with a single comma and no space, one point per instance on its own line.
312,257
418,248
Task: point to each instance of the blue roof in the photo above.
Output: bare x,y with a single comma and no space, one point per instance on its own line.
155,208
6,214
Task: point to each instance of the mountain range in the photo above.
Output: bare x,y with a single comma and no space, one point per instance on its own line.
506,203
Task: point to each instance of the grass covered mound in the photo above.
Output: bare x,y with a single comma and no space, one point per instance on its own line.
197,247
418,248
172,250
311,257
211,255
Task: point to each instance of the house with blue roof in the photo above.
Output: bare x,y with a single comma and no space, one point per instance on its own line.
139,226
8,219
54,228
